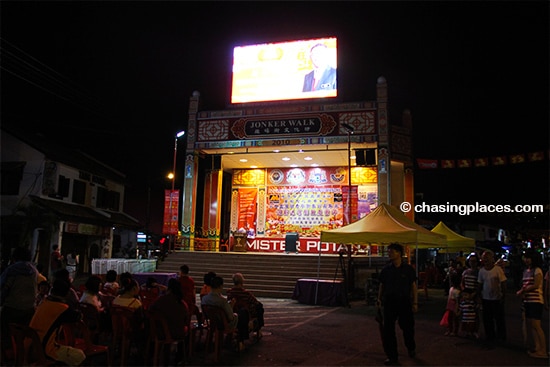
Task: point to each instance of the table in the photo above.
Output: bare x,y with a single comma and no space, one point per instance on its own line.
329,292
101,266
162,278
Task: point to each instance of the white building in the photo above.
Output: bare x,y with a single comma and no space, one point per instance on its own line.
54,195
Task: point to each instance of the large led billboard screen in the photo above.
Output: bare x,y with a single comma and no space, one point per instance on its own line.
300,69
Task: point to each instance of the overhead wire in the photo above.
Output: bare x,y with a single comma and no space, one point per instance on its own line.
29,69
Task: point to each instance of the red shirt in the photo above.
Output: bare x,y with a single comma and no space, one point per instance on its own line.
188,289
56,260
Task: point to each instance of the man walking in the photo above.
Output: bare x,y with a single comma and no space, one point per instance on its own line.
398,296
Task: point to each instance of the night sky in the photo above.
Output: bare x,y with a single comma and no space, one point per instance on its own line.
114,79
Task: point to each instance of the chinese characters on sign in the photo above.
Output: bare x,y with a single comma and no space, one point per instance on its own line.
171,204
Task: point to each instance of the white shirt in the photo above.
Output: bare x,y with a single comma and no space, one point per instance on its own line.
490,283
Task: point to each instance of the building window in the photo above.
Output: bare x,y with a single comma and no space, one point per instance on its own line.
79,192
63,186
11,174
107,199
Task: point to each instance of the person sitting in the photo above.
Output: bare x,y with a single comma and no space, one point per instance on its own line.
111,286
216,299
123,279
91,293
71,298
246,302
128,298
43,291
172,306
49,315
18,292
150,291
40,277
207,279
152,283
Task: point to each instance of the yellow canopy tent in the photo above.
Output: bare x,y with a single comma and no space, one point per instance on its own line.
385,224
455,241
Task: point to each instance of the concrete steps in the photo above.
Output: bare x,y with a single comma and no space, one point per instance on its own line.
266,275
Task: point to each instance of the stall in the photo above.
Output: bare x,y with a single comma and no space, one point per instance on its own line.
455,241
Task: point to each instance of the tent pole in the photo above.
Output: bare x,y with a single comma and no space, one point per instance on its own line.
416,261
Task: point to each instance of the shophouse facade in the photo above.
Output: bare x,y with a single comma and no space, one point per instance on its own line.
52,195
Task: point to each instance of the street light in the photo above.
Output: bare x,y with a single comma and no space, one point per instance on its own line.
173,174
349,130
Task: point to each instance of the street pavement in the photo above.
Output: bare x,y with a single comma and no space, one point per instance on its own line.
296,334
308,335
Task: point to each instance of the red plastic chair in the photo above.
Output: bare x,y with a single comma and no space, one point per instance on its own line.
218,329
76,334
148,296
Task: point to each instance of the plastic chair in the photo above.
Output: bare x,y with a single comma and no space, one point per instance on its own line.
148,296
122,322
106,300
161,336
28,354
92,319
76,334
218,329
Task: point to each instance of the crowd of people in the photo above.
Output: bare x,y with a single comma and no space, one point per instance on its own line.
476,289
477,297
30,298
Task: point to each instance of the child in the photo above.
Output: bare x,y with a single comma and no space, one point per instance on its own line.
452,304
43,291
111,286
468,315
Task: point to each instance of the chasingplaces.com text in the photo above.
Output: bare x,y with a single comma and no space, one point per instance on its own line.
467,209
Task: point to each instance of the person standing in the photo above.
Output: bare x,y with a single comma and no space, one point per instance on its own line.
189,293
398,296
453,302
533,302
470,284
72,263
492,282
56,259
468,314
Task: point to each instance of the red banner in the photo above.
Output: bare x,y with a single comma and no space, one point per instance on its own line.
427,163
247,211
171,205
350,207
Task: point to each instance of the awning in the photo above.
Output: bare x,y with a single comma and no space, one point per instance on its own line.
85,214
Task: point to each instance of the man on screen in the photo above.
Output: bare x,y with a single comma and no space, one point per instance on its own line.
323,76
